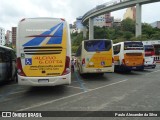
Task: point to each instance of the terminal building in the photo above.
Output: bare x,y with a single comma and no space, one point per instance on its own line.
2,36
105,20
14,32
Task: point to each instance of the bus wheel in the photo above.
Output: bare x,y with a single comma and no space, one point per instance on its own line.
153,67
100,74
128,71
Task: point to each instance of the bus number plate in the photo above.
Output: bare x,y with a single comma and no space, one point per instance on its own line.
43,80
133,67
98,70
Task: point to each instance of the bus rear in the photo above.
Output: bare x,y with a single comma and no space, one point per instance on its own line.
43,52
149,56
97,56
133,55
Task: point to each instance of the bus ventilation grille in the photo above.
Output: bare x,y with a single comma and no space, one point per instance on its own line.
43,50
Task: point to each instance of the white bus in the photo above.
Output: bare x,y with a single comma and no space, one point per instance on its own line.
7,64
43,52
128,56
95,56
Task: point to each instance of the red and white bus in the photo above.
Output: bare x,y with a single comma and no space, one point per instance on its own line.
149,56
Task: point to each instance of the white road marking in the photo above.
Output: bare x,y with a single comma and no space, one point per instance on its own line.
52,101
73,87
74,81
152,72
18,92
77,87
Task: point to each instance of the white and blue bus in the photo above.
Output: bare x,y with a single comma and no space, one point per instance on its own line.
43,52
95,56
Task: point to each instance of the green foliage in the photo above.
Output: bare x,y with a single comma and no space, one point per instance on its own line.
155,36
128,25
76,39
128,35
125,32
118,40
74,49
140,38
147,30
9,45
99,32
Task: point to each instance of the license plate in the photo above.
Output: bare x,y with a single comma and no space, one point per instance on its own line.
98,70
43,80
133,67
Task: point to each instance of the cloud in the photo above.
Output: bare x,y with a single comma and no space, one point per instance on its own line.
150,12
13,11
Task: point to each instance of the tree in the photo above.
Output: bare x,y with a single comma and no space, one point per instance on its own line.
128,35
128,25
99,33
155,36
118,33
76,39
147,30
74,49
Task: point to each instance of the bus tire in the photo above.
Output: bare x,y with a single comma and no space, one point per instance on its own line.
100,74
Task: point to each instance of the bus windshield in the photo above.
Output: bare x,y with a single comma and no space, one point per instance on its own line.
97,45
133,46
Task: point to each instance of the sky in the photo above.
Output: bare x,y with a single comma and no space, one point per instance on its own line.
12,11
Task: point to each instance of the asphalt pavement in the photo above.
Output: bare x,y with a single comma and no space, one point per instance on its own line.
135,91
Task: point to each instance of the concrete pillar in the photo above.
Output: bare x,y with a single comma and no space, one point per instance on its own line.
91,29
84,32
138,20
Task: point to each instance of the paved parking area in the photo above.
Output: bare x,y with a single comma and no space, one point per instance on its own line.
134,91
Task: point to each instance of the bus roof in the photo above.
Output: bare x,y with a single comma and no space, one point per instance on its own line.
42,18
96,39
125,42
1,46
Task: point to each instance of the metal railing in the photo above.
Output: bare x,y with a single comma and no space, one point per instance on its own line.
99,7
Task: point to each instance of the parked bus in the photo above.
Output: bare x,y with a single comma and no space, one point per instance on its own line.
7,64
43,52
128,56
149,56
95,56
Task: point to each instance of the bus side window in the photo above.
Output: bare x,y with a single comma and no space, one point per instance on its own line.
117,49
7,56
1,57
78,53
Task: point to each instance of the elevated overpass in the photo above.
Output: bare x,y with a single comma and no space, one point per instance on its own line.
117,5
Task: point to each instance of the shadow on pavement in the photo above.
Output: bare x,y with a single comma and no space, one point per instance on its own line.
48,90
